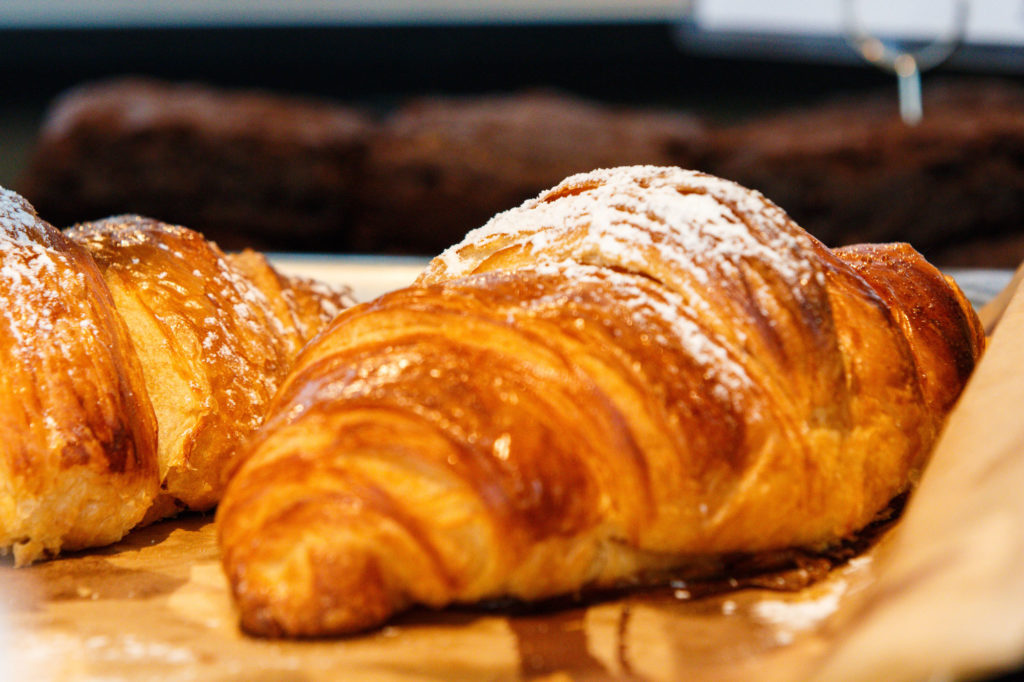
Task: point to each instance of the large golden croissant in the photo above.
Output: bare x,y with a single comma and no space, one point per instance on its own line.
639,370
136,358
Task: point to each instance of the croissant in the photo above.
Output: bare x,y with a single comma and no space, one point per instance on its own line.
215,335
136,358
638,371
303,306
78,436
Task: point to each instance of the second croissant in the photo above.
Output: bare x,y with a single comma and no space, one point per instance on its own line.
136,357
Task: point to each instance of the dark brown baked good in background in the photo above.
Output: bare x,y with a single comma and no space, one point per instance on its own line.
262,170
439,167
851,171
245,168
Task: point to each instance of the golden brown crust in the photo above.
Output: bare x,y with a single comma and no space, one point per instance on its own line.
303,306
245,168
933,312
126,388
77,433
639,369
211,347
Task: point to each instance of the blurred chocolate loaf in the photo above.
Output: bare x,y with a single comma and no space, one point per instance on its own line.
261,170
438,167
277,173
851,171
244,168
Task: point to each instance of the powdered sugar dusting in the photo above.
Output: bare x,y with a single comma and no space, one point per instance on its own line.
40,282
240,302
232,318
17,219
251,298
331,301
789,617
637,217
726,376
708,242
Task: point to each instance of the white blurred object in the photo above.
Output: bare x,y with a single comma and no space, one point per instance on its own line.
367,276
992,21
120,13
993,35
906,58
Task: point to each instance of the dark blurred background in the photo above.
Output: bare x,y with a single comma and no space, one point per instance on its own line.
632,52
726,61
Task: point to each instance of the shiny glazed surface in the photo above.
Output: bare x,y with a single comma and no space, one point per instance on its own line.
215,334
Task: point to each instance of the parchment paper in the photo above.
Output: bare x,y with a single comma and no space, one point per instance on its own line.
941,596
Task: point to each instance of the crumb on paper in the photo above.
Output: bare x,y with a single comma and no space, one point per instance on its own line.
790,617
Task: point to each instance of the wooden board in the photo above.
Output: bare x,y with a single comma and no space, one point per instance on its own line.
941,595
